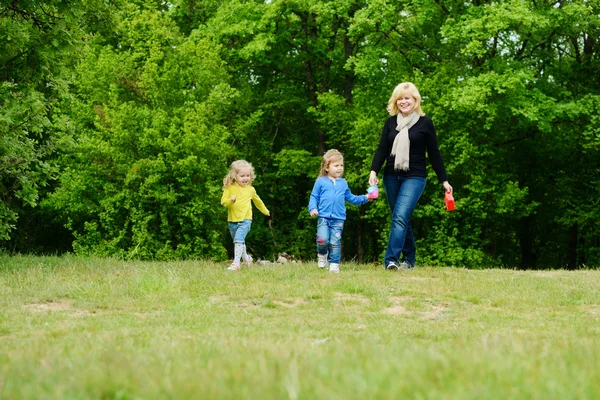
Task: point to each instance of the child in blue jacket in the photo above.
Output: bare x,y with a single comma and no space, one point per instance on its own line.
328,202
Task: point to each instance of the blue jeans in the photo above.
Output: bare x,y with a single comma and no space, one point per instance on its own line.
402,196
239,230
329,237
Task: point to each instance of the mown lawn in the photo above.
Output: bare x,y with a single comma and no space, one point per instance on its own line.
84,328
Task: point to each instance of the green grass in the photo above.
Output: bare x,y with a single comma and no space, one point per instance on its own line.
83,328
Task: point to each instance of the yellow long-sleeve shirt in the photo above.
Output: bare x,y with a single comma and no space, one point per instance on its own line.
241,209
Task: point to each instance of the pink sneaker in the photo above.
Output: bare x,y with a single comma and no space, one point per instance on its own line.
234,267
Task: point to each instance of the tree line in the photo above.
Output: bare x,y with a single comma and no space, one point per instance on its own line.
119,118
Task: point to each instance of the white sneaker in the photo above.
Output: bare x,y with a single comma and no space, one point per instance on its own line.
234,267
248,259
335,268
322,260
407,265
391,266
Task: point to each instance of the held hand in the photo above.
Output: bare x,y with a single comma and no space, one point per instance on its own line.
372,192
233,198
447,186
314,213
373,179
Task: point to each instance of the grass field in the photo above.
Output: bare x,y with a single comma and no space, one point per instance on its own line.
84,328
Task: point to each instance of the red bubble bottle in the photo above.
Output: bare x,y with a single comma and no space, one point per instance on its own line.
449,200
373,192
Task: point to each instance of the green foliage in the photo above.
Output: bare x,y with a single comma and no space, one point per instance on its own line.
33,46
296,172
143,176
39,44
147,112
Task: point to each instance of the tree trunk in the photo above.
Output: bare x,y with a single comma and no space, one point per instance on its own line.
528,258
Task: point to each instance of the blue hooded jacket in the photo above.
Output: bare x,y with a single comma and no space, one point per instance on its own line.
329,198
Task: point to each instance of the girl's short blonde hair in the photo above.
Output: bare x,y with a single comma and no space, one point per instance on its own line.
399,91
234,169
329,157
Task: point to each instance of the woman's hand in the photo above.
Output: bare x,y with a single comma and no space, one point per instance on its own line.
314,213
373,178
447,186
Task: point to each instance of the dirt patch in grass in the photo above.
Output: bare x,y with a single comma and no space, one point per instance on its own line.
287,303
350,297
219,298
149,314
400,299
397,307
51,305
248,304
290,303
594,310
415,278
395,310
435,311
60,305
84,313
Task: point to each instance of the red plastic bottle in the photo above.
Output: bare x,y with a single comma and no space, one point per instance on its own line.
449,200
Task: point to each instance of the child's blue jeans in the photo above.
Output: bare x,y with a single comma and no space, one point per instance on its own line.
329,237
239,230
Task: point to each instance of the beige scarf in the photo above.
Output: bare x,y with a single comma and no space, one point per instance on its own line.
401,146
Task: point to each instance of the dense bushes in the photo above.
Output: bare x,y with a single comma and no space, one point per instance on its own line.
124,132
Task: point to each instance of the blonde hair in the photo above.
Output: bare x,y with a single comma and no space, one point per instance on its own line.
234,169
399,91
329,157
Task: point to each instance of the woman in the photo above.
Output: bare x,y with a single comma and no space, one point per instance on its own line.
406,135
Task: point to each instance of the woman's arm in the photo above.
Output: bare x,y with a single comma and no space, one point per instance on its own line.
382,152
435,156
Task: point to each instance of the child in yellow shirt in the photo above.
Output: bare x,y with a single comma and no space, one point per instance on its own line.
238,192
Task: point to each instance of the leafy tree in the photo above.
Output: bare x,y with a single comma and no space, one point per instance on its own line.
478,66
142,176
514,64
166,95
35,41
39,42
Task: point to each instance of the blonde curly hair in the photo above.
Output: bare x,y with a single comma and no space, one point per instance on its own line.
234,169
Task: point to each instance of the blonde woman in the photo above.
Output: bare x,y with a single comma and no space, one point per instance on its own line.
407,135
238,194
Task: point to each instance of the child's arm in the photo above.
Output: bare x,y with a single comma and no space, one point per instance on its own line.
353,199
313,203
227,199
259,203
